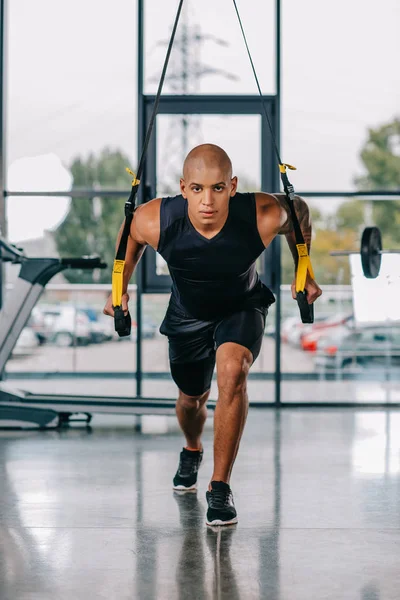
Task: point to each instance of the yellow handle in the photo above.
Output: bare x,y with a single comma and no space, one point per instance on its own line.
117,282
304,266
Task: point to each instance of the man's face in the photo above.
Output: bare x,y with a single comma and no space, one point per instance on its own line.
208,191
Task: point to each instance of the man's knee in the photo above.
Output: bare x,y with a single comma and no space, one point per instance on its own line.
192,402
232,373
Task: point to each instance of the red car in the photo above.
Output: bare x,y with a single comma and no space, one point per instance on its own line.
309,340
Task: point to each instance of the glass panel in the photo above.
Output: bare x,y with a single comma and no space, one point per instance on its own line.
71,86
155,346
209,55
67,332
336,85
177,134
352,351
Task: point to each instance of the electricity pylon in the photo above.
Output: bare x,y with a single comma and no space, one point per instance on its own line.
184,77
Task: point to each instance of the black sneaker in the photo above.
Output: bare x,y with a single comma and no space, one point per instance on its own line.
221,509
189,464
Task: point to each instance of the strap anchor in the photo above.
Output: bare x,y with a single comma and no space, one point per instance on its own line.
284,166
134,180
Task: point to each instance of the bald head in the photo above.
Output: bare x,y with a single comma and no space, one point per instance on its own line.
207,156
208,186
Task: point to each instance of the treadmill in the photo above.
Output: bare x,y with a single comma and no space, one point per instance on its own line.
56,410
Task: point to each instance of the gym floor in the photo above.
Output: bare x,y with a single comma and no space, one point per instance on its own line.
91,515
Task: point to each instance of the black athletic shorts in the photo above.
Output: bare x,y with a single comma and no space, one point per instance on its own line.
193,343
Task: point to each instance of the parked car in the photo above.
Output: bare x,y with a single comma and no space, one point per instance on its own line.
366,347
149,329
293,329
37,323
309,340
26,343
101,326
287,325
65,325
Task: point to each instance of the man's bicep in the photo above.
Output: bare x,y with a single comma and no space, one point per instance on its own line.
136,234
285,225
135,248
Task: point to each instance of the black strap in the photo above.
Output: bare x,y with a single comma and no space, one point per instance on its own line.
290,193
123,242
130,204
287,186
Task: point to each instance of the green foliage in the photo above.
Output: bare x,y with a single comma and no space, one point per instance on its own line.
91,225
385,214
381,158
350,215
330,269
387,217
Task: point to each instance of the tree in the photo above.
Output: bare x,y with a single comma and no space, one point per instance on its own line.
91,225
349,215
381,158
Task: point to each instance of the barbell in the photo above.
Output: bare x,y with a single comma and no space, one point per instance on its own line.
370,251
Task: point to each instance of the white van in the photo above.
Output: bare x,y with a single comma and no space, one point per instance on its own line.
65,325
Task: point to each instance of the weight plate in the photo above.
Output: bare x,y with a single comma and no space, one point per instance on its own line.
371,245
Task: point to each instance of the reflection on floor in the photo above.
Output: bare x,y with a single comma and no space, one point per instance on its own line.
91,515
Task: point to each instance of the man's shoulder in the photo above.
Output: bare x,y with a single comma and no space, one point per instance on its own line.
265,201
270,214
145,226
261,199
242,206
172,209
148,211
171,202
251,205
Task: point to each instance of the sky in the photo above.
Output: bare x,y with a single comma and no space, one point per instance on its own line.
71,69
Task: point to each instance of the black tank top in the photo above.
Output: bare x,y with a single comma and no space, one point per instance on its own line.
211,277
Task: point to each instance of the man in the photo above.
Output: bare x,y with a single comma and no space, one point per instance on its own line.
210,237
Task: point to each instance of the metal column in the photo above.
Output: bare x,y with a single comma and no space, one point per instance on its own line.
277,241
141,135
3,220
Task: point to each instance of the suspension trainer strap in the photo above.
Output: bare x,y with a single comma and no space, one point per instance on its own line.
304,262
130,204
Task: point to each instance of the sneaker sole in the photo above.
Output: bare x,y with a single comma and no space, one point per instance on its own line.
182,488
219,522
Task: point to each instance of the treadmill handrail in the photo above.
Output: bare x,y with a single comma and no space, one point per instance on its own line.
10,253
84,262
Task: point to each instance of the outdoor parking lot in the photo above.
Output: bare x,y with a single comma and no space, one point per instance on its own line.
327,351
121,356
70,333
357,352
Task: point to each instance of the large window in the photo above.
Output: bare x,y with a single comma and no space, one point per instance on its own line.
71,82
336,83
209,55
71,122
